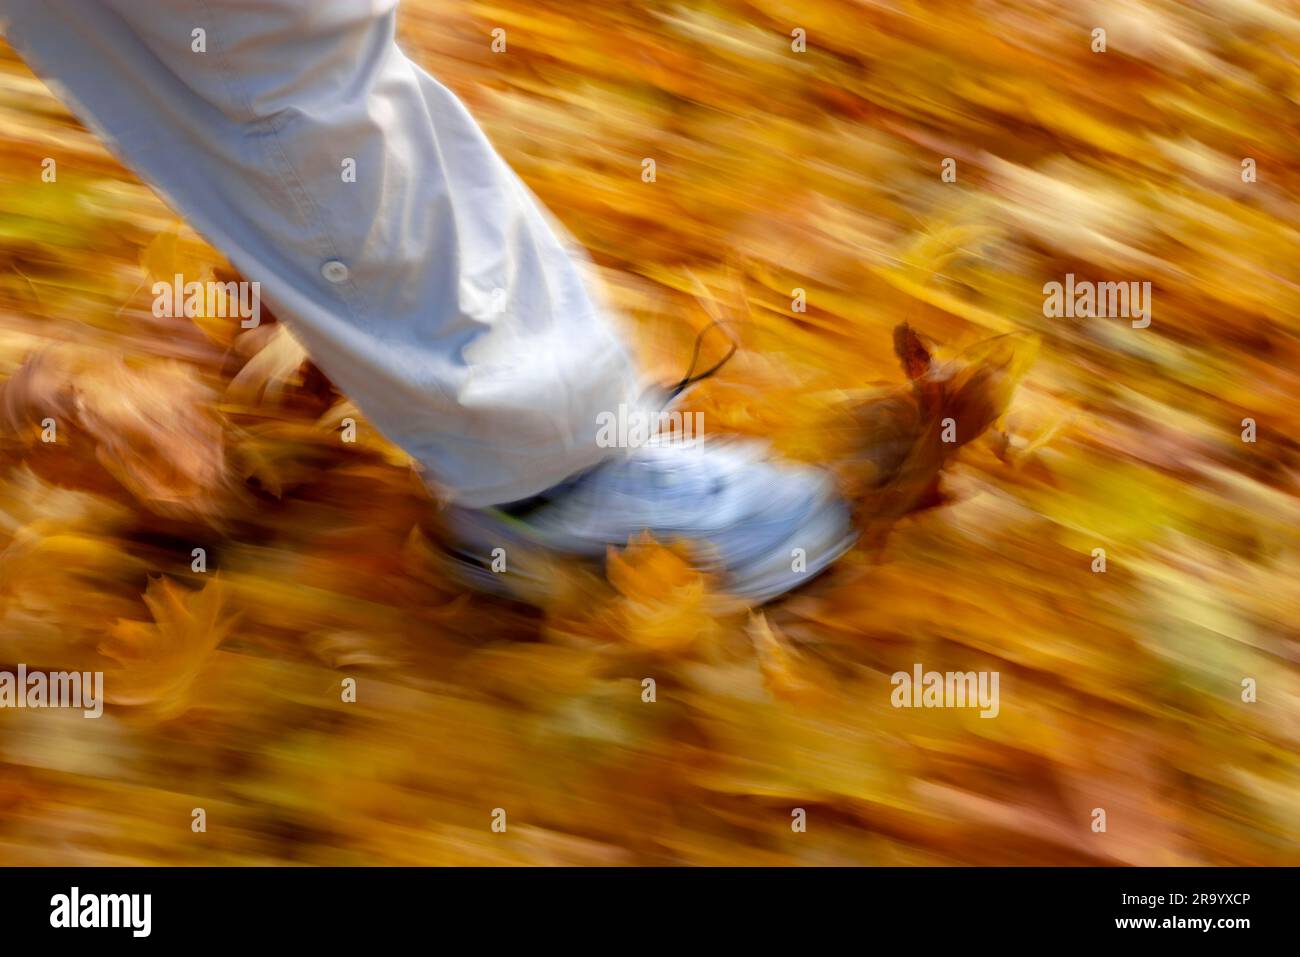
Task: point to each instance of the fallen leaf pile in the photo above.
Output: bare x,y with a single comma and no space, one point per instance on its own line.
284,647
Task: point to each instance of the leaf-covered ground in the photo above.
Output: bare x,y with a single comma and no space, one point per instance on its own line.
776,171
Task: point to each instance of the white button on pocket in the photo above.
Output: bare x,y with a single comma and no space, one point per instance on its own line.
334,271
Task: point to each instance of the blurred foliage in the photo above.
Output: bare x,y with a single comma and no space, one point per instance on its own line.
775,170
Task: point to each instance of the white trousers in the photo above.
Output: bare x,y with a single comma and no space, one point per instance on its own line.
435,291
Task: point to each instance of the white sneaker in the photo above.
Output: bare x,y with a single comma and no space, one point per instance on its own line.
746,515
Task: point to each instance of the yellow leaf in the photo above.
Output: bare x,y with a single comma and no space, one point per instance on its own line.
161,660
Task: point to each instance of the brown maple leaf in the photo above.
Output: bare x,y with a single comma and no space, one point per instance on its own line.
904,438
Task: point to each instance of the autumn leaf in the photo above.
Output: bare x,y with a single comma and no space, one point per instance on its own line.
785,674
665,603
274,364
160,660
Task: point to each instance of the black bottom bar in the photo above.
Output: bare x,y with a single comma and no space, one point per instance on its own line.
332,906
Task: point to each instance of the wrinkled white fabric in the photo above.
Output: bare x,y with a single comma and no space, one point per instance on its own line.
461,325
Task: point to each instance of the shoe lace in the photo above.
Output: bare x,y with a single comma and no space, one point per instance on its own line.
690,378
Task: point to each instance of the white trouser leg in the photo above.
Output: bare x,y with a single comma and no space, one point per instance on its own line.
459,322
